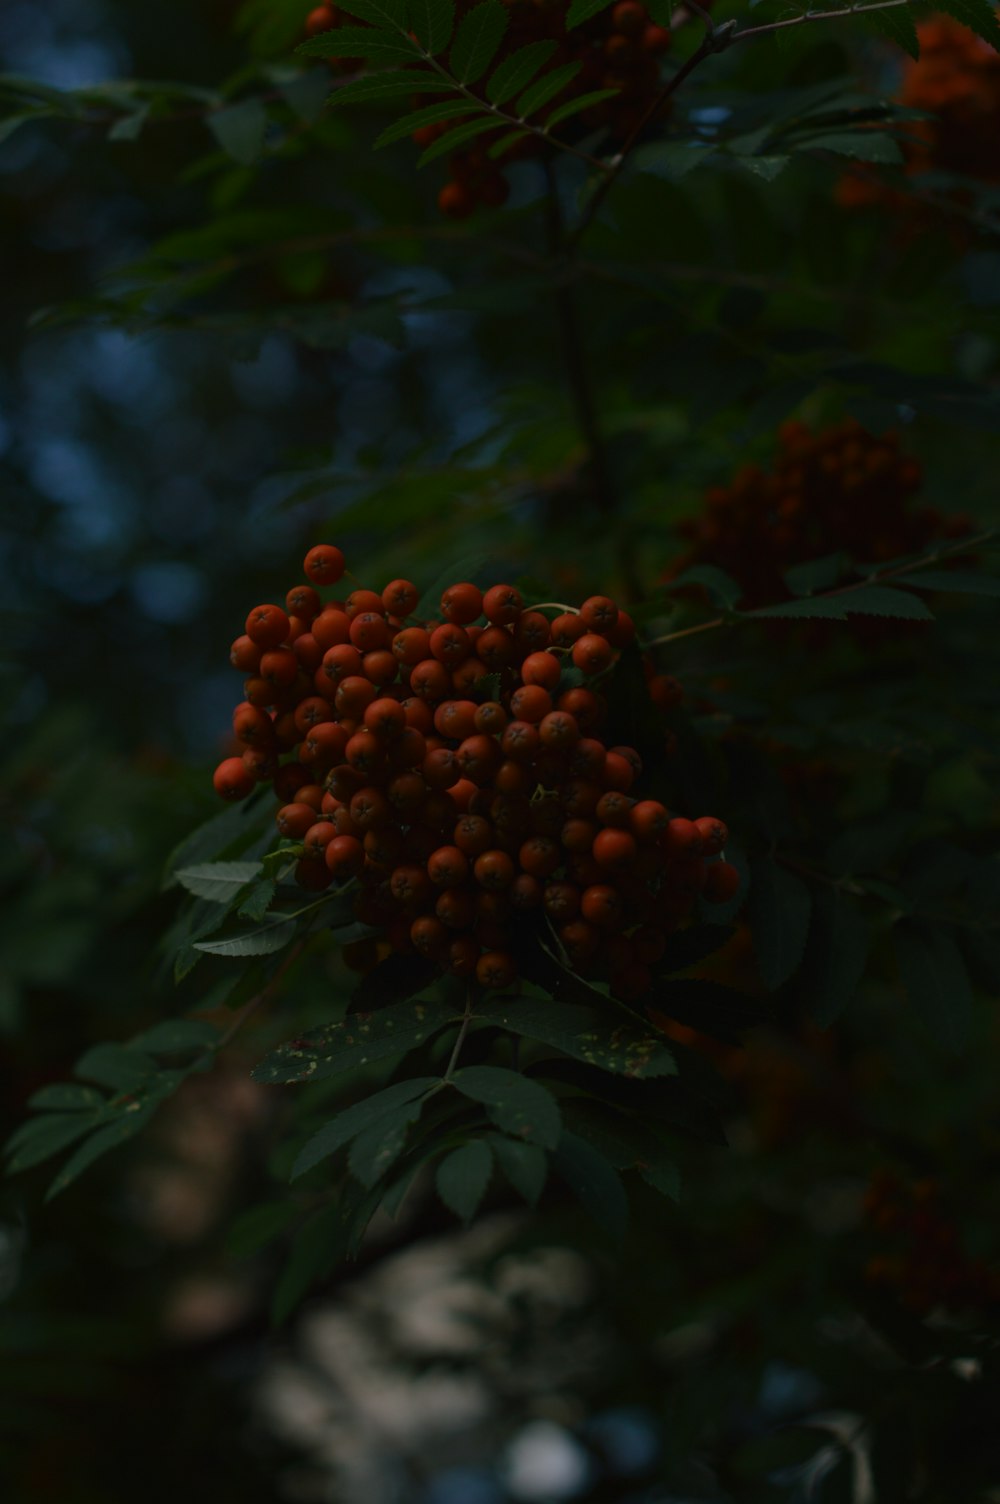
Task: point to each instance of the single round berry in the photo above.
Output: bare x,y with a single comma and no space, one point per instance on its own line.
494,869
722,882
462,604
323,564
448,867
400,598
495,969
592,653
267,626
599,613
502,604
614,848
344,857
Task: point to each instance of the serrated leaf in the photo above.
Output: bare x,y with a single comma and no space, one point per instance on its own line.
388,85
958,581
175,1036
576,106
66,1097
118,1066
259,942
258,900
546,88
40,1138
462,1178
362,41
839,942
525,1165
978,15
626,1142
479,35
376,1149
594,1182
778,909
217,881
722,589
863,146
433,21
516,72
815,574
429,115
389,15
354,1120
358,1040
582,10
896,24
497,148
455,138
869,600
515,1103
239,129
585,1035
936,981
215,835
100,1143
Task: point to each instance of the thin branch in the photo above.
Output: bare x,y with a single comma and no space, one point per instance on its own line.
814,15
463,1031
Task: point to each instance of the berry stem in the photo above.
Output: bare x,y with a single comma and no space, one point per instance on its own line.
463,1031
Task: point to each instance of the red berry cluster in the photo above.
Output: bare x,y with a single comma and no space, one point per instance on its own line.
842,488
454,769
618,49
927,1266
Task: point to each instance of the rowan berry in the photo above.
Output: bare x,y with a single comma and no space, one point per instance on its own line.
354,695
496,648
502,604
541,668
630,17
602,905
580,940
561,901
429,936
580,796
450,644
308,651
331,628
566,630
494,869
311,794
513,778
319,20
324,745
361,601
317,838
280,667
293,820
532,632
462,956
473,835
302,601
682,838
599,613
344,781
614,848
411,646
456,908
438,812
592,654
267,626
479,757
344,857
258,692
419,715
430,680
384,847
310,712
526,893
666,693
288,780
380,667
539,856
261,763
456,201
495,969
369,631
455,719
466,676
490,718
462,794
530,703
410,886
245,654
252,726
462,604
406,793
713,833
558,731
618,772
622,634
521,741
440,768
385,718
286,733
722,882
400,598
448,867
614,808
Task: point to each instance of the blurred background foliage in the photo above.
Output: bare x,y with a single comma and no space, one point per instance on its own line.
212,356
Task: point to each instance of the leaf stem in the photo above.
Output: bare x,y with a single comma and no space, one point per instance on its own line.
463,1031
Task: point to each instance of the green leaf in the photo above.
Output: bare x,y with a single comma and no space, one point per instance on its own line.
594,1182
525,1165
65,1097
358,1040
517,71
978,15
816,574
176,1036
626,1143
463,1176
376,1149
869,600
582,10
429,115
896,24
515,1103
118,1066
217,881
100,1143
129,127
239,129
390,15
722,589
778,908
863,146
839,941
936,981
378,86
40,1138
258,1226
546,88
433,21
258,900
575,106
362,41
354,1120
317,1247
479,35
259,942
767,168
958,581
455,138
497,149
215,835
584,1034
